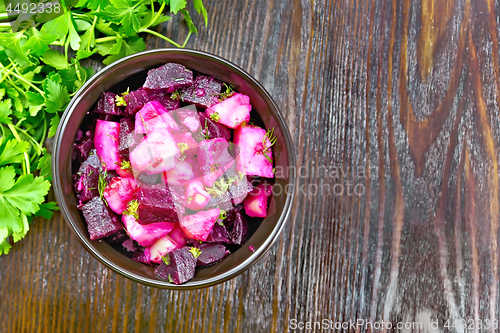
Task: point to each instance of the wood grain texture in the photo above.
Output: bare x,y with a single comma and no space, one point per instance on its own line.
398,97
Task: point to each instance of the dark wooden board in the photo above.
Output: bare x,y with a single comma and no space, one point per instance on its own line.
398,97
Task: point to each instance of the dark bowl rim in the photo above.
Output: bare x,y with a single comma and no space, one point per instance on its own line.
254,257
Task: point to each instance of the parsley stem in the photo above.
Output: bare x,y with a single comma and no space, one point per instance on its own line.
31,138
26,164
105,39
161,36
6,74
187,38
158,13
28,83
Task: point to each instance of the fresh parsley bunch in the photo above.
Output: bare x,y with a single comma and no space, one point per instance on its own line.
37,81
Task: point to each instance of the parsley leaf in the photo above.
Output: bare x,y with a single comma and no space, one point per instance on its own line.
5,111
20,198
55,59
12,44
39,42
54,123
125,13
13,151
176,5
189,21
198,6
56,95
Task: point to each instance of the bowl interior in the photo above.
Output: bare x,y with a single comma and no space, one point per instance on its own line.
130,72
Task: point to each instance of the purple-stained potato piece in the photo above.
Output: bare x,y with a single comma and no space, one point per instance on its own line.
86,184
257,201
129,245
187,117
169,77
158,152
219,234
210,254
146,234
204,91
233,111
106,105
215,130
181,267
153,115
101,220
128,140
199,226
156,205
138,98
106,141
214,159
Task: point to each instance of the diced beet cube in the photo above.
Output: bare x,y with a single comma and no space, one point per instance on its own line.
164,99
82,150
219,234
169,77
174,240
118,238
215,130
107,105
157,153
106,139
183,172
210,254
196,196
86,184
204,91
101,220
119,192
252,143
178,195
214,159
256,202
187,117
146,235
128,140
199,225
141,256
237,226
156,205
138,98
92,160
231,112
181,266
153,116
